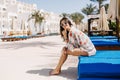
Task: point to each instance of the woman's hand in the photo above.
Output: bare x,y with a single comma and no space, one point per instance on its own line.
66,40
64,32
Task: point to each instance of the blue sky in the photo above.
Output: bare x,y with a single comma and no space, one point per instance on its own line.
60,6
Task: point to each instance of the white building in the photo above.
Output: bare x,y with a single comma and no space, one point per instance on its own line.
14,15
51,23
3,18
12,10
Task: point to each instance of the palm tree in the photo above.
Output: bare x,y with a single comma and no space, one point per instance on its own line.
64,15
106,7
89,9
38,17
76,17
100,3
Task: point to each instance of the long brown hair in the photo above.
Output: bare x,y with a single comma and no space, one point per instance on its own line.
66,20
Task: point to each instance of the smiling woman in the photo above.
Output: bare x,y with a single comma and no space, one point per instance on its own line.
77,44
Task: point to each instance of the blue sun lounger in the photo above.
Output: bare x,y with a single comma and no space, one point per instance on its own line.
103,37
105,65
14,38
106,43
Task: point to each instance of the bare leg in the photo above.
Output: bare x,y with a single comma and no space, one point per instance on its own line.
77,52
63,58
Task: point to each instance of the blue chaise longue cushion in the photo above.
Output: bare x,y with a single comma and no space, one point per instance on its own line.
106,63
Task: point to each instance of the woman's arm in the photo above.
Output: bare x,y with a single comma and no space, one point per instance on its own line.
64,35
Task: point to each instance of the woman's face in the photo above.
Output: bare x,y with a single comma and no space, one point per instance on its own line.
65,25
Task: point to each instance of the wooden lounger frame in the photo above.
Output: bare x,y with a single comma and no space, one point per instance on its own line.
107,47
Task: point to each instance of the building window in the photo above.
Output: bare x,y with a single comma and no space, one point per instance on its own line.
13,2
20,12
4,9
15,17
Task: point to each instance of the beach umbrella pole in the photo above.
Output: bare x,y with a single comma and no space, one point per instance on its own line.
117,28
117,20
89,21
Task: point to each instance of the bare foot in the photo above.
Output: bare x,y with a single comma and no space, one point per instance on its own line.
54,72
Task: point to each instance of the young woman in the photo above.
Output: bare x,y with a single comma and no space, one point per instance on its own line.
77,44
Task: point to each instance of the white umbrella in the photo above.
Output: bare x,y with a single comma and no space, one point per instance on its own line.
114,9
23,26
29,29
103,23
118,9
12,24
114,13
12,27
